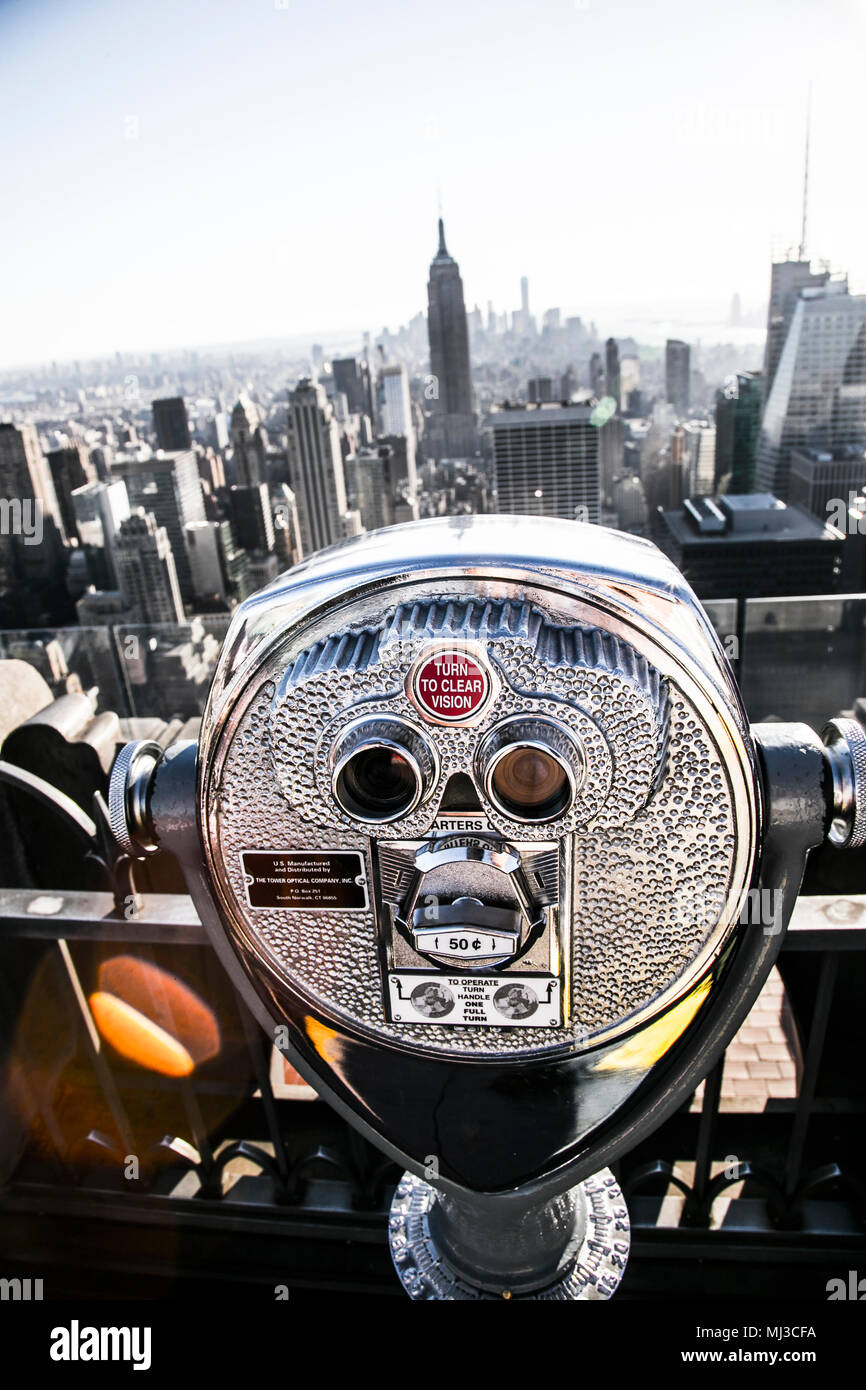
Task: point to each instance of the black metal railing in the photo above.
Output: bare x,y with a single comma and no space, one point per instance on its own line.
231,1157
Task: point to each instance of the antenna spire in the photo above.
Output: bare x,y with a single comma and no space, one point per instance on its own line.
802,255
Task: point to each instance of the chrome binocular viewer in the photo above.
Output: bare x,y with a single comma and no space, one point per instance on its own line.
479,829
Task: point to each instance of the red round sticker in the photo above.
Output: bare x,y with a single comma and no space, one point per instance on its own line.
451,686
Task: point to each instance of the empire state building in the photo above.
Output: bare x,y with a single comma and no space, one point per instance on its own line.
452,429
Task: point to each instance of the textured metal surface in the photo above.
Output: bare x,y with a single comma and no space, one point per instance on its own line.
655,859
592,1274
619,718
133,760
117,798
846,743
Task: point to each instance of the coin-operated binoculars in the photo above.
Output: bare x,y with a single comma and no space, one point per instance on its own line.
477,822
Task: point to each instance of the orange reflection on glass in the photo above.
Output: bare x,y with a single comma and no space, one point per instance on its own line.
153,1018
137,1037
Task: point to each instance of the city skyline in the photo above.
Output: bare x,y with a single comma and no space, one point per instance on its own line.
155,215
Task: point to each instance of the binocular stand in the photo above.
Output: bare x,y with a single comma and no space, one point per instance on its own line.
572,1247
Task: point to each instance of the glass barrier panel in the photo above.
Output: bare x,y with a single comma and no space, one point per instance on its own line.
71,659
722,613
803,659
169,666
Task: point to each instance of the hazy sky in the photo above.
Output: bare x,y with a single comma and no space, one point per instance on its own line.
178,172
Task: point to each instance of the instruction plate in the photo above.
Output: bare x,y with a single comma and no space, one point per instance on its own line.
500,1001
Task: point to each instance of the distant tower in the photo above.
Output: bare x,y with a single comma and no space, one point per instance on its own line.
738,415
374,484
452,426
349,378
316,466
248,447
596,375
171,423
547,461
611,369
99,509
539,389
395,405
818,396
253,523
71,468
568,383
678,374
168,485
395,415
144,563
787,279
33,551
524,303
24,472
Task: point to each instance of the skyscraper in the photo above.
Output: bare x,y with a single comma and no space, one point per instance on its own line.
24,472
144,562
171,422
539,389
596,375
568,383
787,279
205,558
31,530
402,476
248,456
700,458
99,509
350,378
251,517
547,461
612,370
395,405
678,374
820,479
287,527
452,426
70,468
375,493
818,396
629,383
738,414
397,429
525,320
167,484
315,466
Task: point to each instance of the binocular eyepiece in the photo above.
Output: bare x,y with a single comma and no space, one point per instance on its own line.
475,822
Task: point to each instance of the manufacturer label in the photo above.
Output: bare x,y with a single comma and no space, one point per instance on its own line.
316,880
450,687
503,1001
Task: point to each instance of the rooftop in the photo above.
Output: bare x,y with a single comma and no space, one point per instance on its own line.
739,519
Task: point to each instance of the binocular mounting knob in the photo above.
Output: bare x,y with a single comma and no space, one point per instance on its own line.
128,799
845,742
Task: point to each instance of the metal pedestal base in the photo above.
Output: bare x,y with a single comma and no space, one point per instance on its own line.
579,1242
